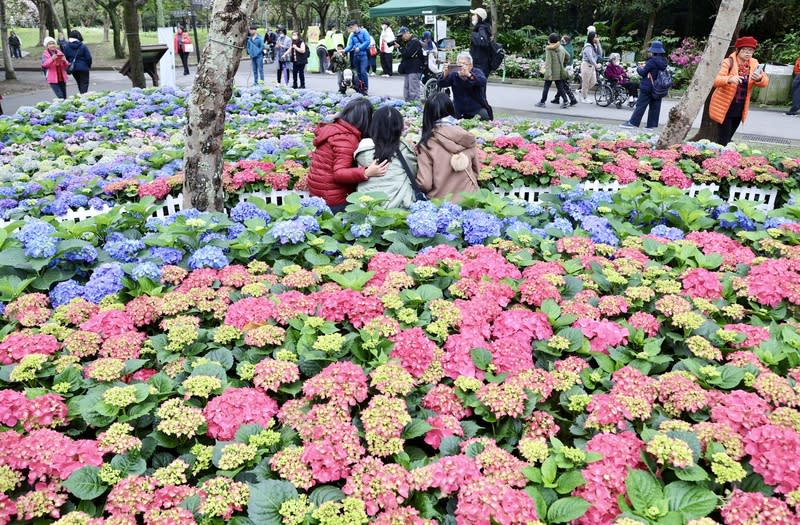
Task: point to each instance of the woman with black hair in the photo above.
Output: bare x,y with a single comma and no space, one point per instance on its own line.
447,153
80,57
332,175
299,59
480,48
384,144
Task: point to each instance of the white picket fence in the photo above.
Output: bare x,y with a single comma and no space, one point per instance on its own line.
763,198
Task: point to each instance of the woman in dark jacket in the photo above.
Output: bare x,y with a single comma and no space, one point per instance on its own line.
481,45
333,174
80,57
648,72
299,60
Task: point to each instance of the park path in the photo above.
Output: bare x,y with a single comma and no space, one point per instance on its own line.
763,125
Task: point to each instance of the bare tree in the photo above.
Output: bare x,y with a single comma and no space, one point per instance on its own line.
683,114
8,65
213,87
110,7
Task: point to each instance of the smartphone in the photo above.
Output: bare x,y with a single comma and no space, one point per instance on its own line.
759,69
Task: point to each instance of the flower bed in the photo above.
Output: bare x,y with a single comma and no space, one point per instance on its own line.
96,151
591,359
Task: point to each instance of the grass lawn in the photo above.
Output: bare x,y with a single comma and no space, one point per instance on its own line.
102,52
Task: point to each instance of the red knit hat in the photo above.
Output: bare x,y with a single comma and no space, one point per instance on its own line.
746,41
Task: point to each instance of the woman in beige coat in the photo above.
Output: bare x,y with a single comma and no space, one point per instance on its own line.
447,154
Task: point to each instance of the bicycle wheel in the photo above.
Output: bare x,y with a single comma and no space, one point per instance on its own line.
603,96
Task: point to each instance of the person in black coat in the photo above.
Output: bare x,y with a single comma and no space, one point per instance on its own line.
15,45
480,48
78,54
410,64
299,59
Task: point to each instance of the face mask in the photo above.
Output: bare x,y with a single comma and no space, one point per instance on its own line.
474,20
384,26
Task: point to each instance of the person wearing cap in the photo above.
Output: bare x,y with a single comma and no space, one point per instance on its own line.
255,48
282,45
480,48
77,53
359,44
410,64
387,49
181,41
427,42
55,65
732,87
656,63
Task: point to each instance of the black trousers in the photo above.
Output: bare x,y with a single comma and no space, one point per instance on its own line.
728,128
298,70
386,64
559,90
185,62
82,78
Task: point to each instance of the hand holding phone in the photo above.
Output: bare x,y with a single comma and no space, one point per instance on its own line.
757,72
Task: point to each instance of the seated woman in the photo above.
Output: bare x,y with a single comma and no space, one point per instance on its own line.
332,174
384,145
447,153
617,74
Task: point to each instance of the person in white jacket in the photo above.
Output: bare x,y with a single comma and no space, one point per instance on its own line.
386,49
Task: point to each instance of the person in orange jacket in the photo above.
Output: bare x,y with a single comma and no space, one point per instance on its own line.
183,43
731,98
795,89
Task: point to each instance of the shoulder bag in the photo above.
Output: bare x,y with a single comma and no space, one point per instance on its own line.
419,195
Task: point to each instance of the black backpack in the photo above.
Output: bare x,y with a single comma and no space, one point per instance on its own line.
498,55
661,83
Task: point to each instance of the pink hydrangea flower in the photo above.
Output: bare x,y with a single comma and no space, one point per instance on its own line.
414,350
603,334
237,407
16,346
773,454
699,282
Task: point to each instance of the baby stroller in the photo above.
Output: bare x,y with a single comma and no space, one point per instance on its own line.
434,68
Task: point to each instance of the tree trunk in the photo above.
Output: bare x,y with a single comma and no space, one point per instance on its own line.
682,116
160,20
213,87
131,17
56,21
493,14
354,10
66,16
8,64
119,47
106,27
648,34
42,9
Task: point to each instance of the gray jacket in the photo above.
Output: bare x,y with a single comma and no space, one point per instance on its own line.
589,54
395,182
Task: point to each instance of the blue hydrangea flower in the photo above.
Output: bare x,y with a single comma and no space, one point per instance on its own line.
422,224
478,226
34,229
420,206
666,232
147,270
166,255
247,210
123,249
106,280
448,217
288,232
64,292
361,230
533,209
235,230
599,230
318,203
776,222
207,237
561,224
87,254
208,257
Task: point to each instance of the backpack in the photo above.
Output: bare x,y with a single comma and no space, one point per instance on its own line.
498,55
661,83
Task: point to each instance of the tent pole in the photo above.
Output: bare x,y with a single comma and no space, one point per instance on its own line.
435,32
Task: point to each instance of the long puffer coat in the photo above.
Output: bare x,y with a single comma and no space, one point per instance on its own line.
332,175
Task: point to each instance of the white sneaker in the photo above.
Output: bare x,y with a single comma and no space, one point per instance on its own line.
587,101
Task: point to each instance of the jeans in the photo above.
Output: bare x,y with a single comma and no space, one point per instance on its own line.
795,94
185,62
258,69
283,71
360,64
373,63
559,90
60,89
646,99
386,64
411,87
298,70
82,78
16,52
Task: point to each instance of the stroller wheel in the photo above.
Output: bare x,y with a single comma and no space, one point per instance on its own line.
618,104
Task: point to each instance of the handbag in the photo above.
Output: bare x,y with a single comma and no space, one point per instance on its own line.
372,51
71,68
188,48
419,195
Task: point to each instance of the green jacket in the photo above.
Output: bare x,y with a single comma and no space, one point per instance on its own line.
395,182
554,59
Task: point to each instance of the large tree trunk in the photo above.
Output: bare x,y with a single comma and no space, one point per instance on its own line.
130,14
42,9
66,16
56,20
648,34
213,87
493,14
682,115
110,7
8,64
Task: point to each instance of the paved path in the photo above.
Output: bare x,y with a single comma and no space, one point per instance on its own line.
506,99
